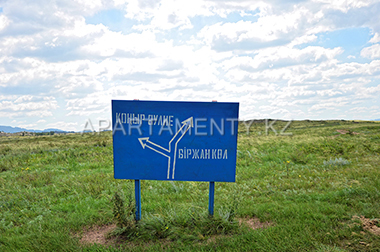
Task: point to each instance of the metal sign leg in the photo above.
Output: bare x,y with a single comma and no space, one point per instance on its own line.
211,199
138,199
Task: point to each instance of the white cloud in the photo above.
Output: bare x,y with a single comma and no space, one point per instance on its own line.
266,55
4,22
28,106
170,15
95,103
69,126
303,40
27,126
334,103
167,14
267,31
115,44
371,52
279,57
345,5
375,38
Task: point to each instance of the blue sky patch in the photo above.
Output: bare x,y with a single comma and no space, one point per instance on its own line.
180,37
351,40
201,21
114,19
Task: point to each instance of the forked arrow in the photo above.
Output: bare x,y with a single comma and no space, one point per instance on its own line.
171,152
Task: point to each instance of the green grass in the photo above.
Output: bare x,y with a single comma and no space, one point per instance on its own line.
308,186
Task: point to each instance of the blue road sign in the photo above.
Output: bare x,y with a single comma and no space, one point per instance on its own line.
188,141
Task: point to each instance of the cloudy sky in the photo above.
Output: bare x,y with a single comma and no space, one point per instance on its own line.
62,62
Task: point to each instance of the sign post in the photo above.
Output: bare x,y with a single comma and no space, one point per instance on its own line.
174,141
211,199
138,199
211,194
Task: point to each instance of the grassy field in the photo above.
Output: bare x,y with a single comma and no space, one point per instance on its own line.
317,190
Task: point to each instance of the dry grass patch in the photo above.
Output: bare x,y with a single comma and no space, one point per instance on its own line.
343,132
369,225
98,235
254,223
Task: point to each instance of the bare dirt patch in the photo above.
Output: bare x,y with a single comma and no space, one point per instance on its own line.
97,235
370,225
347,132
254,223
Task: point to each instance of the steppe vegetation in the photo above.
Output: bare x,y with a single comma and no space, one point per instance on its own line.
316,190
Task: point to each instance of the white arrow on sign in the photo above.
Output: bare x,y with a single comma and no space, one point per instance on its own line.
171,155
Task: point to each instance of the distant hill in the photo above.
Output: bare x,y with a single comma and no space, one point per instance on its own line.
9,129
55,130
377,120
